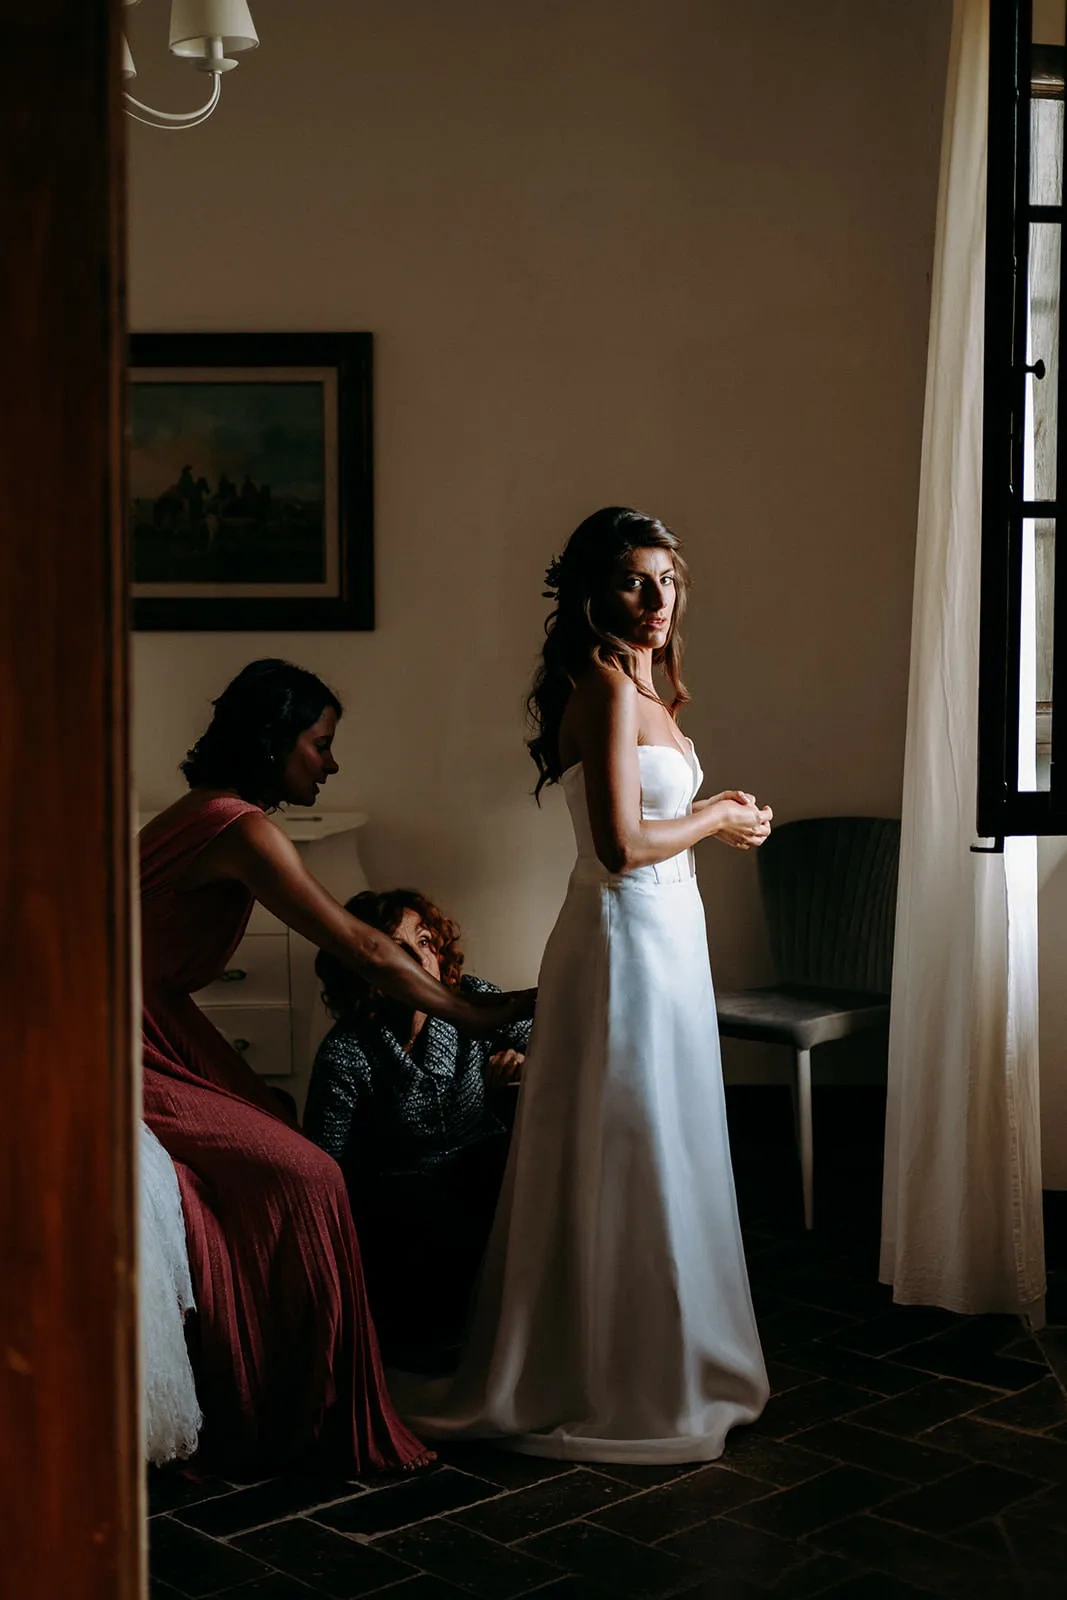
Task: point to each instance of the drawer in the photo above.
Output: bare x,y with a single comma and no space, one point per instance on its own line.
258,971
262,1034
264,921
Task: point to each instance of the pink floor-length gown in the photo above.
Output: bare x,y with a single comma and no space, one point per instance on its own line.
284,1350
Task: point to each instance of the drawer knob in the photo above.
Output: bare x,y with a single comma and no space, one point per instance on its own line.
234,975
241,1045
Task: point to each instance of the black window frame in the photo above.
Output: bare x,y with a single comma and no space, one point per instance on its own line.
1017,69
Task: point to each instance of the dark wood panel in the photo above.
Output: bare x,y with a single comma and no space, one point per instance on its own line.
70,1514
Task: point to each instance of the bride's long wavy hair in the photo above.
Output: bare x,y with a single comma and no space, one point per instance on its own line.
579,630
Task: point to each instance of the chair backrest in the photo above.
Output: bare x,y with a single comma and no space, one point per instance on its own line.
829,888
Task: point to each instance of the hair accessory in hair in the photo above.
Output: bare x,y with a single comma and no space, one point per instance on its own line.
553,578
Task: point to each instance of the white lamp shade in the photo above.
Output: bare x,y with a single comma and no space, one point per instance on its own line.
194,23
128,68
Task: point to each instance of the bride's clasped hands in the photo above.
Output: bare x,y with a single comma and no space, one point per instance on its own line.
736,818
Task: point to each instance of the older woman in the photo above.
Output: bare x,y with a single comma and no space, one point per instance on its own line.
284,1351
419,1117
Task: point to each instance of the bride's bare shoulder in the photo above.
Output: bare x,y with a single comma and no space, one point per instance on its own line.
602,686
602,696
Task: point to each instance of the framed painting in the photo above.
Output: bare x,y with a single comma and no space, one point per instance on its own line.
251,481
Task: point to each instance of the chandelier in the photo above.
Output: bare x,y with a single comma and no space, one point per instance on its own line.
206,32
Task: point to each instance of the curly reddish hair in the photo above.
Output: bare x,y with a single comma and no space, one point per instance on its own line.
346,994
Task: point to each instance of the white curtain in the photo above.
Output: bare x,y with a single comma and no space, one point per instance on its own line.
961,1213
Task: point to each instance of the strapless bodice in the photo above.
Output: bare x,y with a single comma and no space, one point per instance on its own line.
670,779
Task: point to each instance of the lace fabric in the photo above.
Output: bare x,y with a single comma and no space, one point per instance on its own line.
171,1416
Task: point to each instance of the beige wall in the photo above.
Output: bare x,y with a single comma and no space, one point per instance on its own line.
672,253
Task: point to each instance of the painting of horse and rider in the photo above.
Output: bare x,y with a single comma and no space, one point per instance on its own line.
245,489
227,483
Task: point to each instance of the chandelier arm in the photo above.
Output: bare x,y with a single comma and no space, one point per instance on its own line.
175,119
163,127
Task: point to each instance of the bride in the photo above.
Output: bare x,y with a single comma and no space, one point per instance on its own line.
613,1320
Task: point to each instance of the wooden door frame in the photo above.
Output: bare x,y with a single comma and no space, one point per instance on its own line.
71,1476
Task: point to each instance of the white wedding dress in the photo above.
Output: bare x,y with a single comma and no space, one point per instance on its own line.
170,1415
613,1321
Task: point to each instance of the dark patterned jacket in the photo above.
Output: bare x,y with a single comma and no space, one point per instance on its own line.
377,1109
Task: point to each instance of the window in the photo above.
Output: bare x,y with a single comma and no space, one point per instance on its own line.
1022,764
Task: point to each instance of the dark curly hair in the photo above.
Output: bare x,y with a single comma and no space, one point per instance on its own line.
578,632
258,719
344,993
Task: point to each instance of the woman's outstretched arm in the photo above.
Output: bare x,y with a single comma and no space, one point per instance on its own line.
606,727
256,853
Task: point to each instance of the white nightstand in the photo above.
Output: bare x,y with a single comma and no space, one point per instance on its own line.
267,1003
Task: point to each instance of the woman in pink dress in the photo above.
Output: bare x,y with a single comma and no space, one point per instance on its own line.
283,1348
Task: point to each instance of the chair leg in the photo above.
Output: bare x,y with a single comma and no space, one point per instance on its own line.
802,1113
